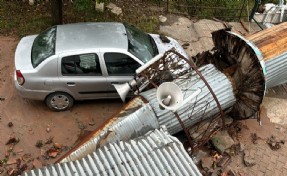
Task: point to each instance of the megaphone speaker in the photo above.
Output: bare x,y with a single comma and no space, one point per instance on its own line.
123,90
169,96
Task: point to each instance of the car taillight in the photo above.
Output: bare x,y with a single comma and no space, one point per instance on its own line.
20,77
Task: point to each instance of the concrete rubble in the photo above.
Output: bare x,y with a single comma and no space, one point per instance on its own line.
222,141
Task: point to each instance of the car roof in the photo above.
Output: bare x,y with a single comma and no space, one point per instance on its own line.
94,35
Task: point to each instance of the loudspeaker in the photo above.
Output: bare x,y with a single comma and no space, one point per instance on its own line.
123,89
169,96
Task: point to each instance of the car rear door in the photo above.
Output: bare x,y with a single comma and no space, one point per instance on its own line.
81,75
120,68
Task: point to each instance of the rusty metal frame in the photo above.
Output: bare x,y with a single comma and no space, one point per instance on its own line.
151,73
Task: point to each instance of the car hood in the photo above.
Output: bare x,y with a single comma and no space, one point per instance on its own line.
165,46
23,53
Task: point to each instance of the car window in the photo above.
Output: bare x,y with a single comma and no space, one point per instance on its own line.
119,64
43,46
85,64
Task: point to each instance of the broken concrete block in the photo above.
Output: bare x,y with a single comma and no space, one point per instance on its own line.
114,9
206,163
111,6
248,160
100,6
222,141
162,18
199,155
117,11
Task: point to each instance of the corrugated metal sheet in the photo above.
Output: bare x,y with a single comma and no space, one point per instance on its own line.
154,154
203,106
276,70
126,125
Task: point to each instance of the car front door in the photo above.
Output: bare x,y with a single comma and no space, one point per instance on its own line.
120,68
81,76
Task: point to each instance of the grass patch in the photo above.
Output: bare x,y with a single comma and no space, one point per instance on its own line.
20,19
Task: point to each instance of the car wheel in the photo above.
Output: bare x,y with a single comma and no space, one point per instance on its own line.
59,101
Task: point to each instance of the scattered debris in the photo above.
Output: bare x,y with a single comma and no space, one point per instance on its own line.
10,124
99,6
58,145
254,138
18,170
224,161
39,143
12,140
42,152
11,161
162,19
185,45
231,172
92,122
235,129
274,144
206,163
199,155
114,9
222,141
234,149
19,151
81,126
249,160
27,157
7,154
49,140
52,153
48,129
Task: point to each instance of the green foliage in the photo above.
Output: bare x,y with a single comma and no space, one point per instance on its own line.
83,5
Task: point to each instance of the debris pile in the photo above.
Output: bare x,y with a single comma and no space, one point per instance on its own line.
17,161
274,144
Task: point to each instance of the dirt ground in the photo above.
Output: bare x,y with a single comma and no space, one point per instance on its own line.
32,121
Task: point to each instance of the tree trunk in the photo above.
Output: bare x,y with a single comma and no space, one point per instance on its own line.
57,17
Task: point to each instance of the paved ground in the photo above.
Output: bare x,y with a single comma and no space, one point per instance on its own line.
273,113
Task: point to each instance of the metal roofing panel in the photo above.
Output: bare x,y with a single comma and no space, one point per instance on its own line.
276,71
155,153
202,106
129,124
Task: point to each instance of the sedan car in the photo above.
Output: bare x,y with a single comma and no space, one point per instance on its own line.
81,61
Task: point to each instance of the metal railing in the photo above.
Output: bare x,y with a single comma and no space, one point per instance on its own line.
224,10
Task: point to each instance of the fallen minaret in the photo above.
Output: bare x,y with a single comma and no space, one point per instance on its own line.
217,96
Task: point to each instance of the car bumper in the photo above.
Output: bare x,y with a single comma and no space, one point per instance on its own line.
31,94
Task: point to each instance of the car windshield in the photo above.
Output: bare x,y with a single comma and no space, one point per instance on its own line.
140,44
43,46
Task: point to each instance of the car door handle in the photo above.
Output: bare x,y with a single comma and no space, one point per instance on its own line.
71,83
116,82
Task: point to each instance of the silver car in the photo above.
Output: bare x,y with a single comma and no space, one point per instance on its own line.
81,61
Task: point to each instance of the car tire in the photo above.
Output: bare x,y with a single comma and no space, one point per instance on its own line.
59,101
